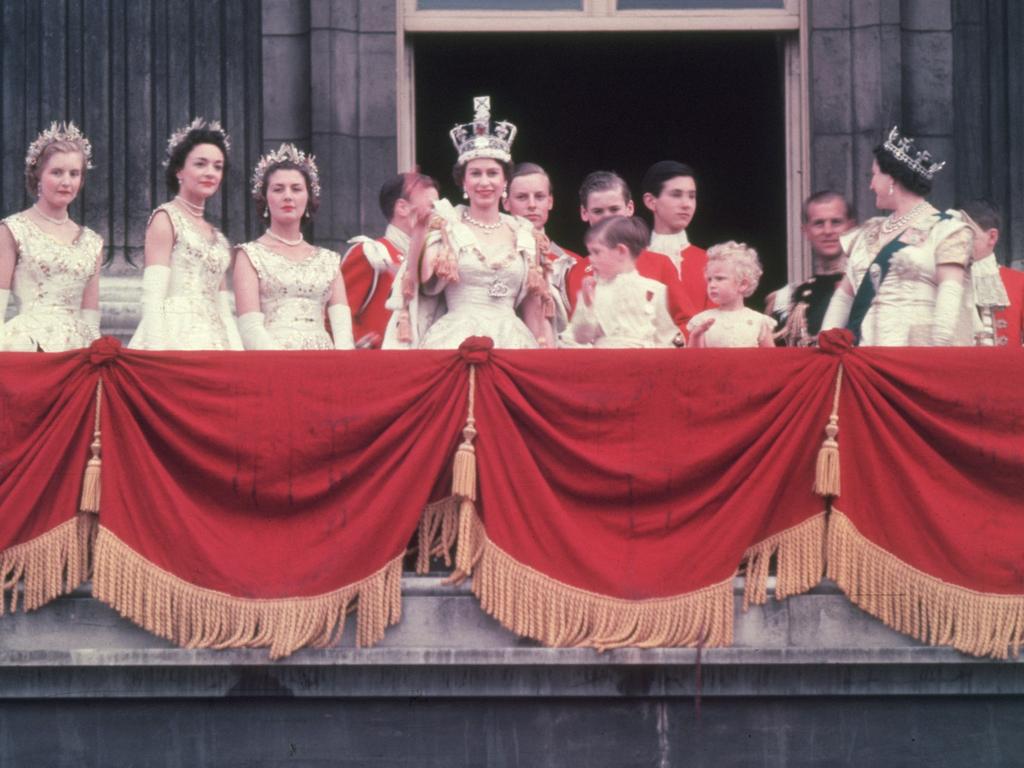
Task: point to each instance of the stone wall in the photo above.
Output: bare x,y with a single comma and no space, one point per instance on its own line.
875,63
329,83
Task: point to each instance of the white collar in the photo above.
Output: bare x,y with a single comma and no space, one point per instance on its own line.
398,238
987,283
670,244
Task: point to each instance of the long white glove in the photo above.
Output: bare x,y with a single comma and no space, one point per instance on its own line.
838,312
947,312
254,333
91,317
341,326
155,279
227,317
5,296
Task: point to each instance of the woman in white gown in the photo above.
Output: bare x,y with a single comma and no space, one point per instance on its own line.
478,273
283,283
50,263
907,281
185,302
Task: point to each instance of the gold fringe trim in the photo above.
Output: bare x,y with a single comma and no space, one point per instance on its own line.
919,605
195,617
439,525
91,479
49,565
826,472
534,605
800,563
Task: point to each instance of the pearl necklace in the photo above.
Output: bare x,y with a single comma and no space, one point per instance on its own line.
58,222
298,241
480,224
195,210
893,224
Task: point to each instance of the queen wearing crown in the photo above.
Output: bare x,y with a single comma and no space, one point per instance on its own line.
50,263
185,302
283,283
477,272
906,282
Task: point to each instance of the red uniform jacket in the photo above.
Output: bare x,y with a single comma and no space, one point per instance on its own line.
368,289
1009,324
656,266
694,282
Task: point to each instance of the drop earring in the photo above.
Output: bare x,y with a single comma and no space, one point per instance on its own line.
504,192
465,194
892,188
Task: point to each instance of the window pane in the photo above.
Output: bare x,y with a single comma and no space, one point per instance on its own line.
500,5
677,5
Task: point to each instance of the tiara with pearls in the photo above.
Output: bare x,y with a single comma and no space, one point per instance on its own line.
902,149
286,153
197,124
68,132
475,140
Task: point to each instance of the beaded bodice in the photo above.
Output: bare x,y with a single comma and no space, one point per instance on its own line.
198,263
50,274
293,291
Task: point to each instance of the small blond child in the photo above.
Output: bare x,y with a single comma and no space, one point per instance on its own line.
617,307
732,272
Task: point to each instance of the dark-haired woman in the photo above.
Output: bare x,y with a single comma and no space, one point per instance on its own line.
478,274
185,302
283,283
906,277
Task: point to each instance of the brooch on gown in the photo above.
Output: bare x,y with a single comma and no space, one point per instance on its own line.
498,289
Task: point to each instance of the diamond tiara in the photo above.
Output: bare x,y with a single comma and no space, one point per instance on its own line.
286,153
182,133
68,132
476,139
902,149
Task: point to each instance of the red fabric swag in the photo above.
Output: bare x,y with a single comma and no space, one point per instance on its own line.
641,474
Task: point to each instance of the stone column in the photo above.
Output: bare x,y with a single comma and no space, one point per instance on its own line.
875,63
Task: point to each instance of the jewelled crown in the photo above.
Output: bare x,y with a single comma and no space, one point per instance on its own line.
182,133
476,139
902,149
68,132
286,153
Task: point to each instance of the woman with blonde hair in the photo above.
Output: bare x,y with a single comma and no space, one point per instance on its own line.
48,262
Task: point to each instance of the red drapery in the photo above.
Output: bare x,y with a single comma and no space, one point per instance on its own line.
254,498
928,534
46,408
619,490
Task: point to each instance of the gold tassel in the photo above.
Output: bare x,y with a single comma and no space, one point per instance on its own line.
917,604
195,617
91,479
826,473
464,466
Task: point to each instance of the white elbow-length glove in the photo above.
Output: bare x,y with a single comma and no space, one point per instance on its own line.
155,279
341,326
254,333
91,317
947,312
5,296
838,312
227,317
